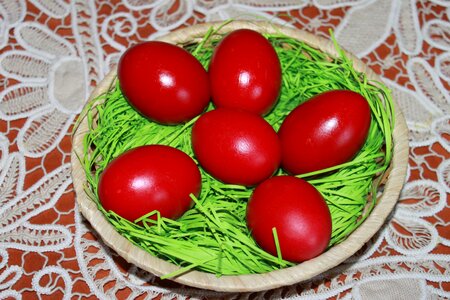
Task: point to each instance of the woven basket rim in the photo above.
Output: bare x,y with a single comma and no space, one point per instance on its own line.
251,282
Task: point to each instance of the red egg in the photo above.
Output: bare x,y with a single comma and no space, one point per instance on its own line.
327,130
297,211
245,72
163,82
149,178
236,147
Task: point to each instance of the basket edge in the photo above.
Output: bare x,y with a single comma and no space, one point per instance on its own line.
247,283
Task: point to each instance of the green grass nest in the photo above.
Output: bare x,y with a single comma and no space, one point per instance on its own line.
213,236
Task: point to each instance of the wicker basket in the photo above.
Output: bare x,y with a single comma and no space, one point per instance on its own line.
254,282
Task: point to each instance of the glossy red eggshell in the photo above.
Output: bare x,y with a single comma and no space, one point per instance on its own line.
245,72
148,178
163,82
327,130
297,211
236,147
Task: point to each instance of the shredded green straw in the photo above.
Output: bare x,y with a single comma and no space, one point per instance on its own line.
213,236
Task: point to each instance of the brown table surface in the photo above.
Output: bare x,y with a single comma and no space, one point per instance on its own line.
52,54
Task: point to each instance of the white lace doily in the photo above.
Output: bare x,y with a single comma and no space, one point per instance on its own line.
54,51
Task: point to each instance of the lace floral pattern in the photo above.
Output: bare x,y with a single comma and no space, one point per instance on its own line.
52,54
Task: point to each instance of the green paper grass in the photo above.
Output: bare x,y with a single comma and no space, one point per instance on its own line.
213,236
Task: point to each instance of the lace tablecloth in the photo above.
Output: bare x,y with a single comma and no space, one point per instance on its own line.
53,52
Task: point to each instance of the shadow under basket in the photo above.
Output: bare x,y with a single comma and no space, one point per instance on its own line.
386,200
